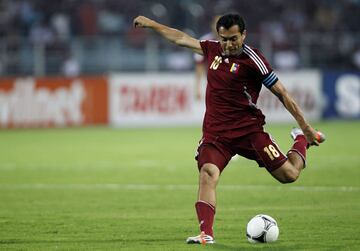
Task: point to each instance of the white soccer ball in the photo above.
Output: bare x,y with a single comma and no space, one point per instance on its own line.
262,228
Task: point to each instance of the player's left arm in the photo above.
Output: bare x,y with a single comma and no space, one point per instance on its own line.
280,91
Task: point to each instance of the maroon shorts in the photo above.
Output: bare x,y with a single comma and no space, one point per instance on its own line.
258,146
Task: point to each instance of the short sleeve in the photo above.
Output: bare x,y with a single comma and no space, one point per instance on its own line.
205,47
199,59
209,47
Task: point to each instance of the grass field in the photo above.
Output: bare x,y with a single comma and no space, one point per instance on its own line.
134,189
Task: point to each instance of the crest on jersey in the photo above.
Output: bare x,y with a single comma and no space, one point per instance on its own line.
234,68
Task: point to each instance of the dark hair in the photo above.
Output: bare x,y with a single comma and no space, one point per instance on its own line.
229,20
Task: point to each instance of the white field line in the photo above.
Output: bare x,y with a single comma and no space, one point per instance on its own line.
178,187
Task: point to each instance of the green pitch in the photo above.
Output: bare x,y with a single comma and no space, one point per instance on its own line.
134,189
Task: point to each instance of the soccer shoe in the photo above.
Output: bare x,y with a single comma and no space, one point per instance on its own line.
200,239
295,132
320,137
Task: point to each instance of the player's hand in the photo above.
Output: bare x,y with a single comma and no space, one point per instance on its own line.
142,22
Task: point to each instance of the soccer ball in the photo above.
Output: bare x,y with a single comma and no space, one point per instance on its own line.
262,228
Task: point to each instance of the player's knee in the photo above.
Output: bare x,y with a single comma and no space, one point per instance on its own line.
289,176
209,174
287,173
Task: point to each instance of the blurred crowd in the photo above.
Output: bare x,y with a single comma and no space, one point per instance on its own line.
329,30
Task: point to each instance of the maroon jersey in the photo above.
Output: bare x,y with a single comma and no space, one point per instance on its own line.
234,84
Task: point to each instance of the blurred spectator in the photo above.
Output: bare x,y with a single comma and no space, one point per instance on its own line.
87,15
110,21
61,24
286,60
136,37
71,66
293,33
27,14
41,33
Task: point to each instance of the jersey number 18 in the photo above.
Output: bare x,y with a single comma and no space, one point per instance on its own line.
271,152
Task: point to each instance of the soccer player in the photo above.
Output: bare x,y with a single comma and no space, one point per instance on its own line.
233,124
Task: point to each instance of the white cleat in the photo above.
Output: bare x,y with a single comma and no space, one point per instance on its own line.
200,239
320,137
296,132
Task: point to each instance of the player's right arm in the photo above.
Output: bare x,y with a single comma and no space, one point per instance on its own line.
173,35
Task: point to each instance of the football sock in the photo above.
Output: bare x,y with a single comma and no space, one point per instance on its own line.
300,146
205,212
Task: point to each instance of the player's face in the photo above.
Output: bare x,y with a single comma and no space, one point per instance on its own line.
231,40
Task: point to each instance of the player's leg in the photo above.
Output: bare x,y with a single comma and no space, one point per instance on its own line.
206,203
210,162
205,206
208,179
262,148
291,169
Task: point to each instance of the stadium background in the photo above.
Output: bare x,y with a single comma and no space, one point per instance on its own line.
46,48
123,106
